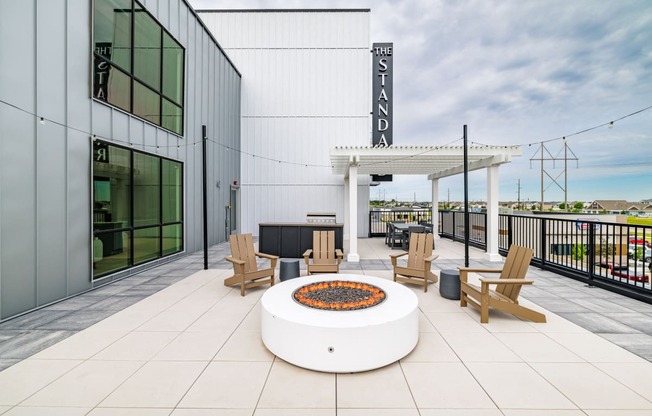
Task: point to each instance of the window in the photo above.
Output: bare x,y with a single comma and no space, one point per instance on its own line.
137,208
138,66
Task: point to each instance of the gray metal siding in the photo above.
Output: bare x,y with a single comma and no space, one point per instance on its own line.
45,169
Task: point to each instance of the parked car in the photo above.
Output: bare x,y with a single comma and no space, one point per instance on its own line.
623,273
645,250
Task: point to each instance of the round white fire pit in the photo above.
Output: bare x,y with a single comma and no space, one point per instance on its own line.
340,341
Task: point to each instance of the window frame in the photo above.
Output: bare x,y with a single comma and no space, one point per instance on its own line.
137,7
130,228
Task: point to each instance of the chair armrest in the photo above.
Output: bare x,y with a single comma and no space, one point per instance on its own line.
394,257
479,270
338,253
431,258
506,281
307,254
267,256
234,260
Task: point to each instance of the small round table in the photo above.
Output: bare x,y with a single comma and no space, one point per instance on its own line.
449,284
289,269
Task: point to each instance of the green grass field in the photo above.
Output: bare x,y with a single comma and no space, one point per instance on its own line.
639,221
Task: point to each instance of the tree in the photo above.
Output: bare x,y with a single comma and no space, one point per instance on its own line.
562,206
578,205
578,252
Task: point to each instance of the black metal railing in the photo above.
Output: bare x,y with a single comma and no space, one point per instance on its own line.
379,219
614,256
611,255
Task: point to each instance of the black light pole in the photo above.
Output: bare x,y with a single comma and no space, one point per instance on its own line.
205,196
466,202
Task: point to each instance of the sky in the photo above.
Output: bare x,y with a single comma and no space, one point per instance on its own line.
517,72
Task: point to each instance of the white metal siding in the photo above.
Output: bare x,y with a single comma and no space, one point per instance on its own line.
45,183
306,80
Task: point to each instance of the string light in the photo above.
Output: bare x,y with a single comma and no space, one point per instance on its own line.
42,120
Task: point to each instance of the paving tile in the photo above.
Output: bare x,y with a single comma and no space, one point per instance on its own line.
537,347
639,344
136,346
431,348
291,412
76,303
518,386
244,346
8,362
115,303
636,320
78,320
215,412
360,390
635,376
291,387
453,387
530,412
462,412
598,322
156,384
594,349
47,411
121,411
377,412
81,346
193,346
34,320
479,347
228,385
85,385
30,342
602,392
29,376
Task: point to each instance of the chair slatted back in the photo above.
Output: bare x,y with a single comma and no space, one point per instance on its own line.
421,247
323,247
516,266
242,248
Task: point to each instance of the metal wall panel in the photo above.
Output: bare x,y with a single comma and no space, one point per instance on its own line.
45,181
305,89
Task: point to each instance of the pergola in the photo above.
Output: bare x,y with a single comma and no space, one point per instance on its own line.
434,161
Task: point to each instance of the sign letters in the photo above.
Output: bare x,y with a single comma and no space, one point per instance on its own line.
382,99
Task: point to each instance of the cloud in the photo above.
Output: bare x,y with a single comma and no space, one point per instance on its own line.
517,72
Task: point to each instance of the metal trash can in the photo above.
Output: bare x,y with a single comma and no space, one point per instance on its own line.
449,284
289,269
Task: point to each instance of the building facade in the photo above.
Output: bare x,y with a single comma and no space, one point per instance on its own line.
104,106
306,88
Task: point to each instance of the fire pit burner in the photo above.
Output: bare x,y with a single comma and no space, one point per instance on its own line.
339,295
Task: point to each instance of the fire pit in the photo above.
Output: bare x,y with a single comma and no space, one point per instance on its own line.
340,323
339,295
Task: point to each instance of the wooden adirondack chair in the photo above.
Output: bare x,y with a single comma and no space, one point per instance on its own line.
245,265
325,257
505,296
420,256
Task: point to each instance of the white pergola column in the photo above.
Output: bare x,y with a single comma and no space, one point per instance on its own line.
492,214
346,207
353,255
435,208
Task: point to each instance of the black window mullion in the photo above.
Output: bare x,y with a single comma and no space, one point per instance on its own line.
131,209
133,54
160,207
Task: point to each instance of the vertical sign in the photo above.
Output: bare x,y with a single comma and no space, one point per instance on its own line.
101,71
383,94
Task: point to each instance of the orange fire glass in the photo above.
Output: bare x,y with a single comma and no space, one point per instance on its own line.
356,295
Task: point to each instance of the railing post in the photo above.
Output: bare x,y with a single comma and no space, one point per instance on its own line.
591,253
543,241
510,231
454,226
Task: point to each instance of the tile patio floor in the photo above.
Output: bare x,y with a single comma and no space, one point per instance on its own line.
175,341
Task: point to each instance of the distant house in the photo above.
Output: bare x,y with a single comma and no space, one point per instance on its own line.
615,206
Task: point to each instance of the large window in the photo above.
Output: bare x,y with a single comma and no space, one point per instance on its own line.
137,208
138,65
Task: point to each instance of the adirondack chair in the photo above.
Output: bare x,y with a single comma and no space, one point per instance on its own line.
245,266
420,256
505,296
325,257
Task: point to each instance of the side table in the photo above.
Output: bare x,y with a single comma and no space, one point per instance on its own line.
449,284
289,269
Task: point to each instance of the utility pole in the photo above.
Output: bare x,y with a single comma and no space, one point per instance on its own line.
518,204
543,157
